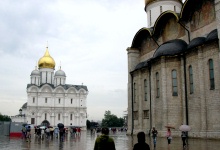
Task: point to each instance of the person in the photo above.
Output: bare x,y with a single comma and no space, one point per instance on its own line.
23,130
141,145
47,133
183,136
56,132
154,135
62,131
104,142
169,136
28,135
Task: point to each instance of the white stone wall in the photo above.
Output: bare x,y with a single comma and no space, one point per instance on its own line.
52,108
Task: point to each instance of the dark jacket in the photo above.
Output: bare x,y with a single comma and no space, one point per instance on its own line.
104,142
141,146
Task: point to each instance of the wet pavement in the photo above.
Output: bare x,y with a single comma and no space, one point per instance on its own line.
86,142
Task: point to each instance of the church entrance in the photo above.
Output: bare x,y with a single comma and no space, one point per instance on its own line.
45,123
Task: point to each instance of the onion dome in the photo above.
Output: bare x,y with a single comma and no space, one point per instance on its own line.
60,73
46,61
24,105
35,72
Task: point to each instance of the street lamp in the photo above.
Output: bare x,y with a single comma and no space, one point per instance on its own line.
20,111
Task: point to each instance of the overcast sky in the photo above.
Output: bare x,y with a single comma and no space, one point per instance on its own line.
88,37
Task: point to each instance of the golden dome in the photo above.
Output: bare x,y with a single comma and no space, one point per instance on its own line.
150,1
46,61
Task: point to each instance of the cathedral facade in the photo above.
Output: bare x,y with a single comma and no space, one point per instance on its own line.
51,100
174,69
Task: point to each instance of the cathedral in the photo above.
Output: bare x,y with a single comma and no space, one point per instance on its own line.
50,100
174,69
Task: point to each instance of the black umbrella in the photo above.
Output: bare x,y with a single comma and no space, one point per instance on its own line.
60,125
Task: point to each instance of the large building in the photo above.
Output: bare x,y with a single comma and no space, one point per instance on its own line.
174,69
51,100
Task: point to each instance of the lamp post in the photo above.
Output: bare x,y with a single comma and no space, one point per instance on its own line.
20,112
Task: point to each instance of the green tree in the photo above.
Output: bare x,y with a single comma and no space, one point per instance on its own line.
4,118
111,120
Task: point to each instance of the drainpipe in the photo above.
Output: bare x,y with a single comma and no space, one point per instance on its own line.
185,29
185,82
149,69
132,105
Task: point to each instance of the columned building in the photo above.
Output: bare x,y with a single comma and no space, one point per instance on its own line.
174,69
51,100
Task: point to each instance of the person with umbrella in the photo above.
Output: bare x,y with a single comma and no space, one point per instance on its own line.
184,129
183,136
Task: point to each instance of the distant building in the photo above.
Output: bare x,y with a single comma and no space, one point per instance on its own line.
51,100
174,69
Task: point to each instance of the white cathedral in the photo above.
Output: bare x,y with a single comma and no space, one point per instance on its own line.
51,100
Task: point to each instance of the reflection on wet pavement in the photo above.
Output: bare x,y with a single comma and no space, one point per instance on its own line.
86,142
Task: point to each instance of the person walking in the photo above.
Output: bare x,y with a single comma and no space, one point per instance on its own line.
28,135
104,142
183,136
141,145
154,135
169,136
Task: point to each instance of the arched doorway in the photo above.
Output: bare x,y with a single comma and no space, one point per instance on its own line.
45,123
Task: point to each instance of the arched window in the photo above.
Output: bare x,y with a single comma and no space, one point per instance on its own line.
145,90
59,100
174,83
191,80
211,75
45,116
134,92
71,101
71,116
157,85
58,116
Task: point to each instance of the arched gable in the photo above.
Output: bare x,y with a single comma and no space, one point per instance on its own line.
46,88
167,27
82,91
144,41
33,88
71,90
203,16
193,9
59,89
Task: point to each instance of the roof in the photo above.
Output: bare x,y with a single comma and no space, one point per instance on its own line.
172,47
66,86
178,46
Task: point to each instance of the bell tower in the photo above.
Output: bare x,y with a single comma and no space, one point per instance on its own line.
154,8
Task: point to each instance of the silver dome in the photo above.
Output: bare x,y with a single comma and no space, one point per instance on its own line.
60,73
35,72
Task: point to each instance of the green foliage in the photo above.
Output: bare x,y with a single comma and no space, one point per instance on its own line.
91,124
111,120
4,118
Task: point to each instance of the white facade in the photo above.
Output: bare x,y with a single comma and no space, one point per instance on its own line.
53,101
